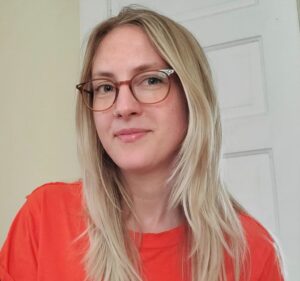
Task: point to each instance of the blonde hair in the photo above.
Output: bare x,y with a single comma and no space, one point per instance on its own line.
211,214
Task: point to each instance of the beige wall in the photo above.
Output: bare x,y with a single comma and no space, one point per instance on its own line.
39,66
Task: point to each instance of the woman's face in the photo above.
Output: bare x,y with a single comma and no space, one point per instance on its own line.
138,137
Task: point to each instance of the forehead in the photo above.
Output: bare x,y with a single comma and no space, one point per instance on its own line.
125,48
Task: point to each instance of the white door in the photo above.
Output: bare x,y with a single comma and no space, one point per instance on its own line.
254,50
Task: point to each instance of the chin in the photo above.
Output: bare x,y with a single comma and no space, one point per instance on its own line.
133,168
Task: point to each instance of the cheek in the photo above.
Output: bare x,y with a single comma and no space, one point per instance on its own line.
176,124
180,128
102,126
179,112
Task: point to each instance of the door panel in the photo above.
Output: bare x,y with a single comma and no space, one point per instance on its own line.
239,75
250,177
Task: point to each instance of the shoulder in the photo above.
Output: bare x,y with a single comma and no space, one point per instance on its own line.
256,234
55,197
262,250
41,237
56,207
56,188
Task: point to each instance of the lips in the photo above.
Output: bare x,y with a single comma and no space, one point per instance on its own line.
131,134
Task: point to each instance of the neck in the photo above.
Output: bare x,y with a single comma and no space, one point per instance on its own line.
150,195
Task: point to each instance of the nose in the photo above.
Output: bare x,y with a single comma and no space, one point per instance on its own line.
126,104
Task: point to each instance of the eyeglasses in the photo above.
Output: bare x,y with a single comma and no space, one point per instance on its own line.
147,87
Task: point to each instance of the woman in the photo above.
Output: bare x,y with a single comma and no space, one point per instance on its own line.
153,206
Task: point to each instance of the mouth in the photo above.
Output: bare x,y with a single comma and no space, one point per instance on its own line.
131,134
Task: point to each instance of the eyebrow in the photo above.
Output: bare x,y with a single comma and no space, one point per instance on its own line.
140,68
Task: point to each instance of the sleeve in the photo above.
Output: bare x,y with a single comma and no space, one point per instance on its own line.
18,256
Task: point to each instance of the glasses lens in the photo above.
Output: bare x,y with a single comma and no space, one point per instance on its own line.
151,87
99,94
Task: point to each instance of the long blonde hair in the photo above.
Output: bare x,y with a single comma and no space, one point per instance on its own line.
211,214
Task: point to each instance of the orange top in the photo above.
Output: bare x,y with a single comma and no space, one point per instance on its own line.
41,243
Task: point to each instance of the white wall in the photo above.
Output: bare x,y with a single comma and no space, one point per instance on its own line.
39,55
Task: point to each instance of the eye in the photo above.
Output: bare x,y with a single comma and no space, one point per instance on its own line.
152,80
103,88
106,88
